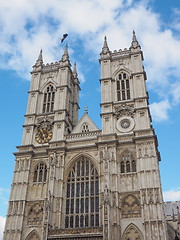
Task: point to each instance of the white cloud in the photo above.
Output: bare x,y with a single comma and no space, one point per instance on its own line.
2,224
172,195
26,26
175,91
159,110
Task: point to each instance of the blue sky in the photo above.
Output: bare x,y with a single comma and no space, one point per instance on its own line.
27,26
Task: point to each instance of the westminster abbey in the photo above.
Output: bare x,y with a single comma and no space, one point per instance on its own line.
74,181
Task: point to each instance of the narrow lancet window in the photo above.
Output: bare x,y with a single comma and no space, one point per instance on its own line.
128,164
40,173
123,88
48,100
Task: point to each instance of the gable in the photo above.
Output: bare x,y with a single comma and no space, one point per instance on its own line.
85,124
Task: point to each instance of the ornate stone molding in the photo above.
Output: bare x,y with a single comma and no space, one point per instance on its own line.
124,110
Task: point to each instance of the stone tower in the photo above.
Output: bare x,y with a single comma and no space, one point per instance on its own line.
74,181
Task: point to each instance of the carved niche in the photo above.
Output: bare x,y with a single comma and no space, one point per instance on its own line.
131,207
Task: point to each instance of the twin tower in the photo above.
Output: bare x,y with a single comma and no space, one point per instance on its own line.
74,181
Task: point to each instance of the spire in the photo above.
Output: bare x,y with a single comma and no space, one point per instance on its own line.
65,55
173,215
105,48
75,71
135,43
40,59
178,214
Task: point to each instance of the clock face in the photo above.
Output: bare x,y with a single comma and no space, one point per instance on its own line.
125,123
44,135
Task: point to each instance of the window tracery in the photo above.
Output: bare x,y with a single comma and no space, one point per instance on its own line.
40,173
123,88
48,100
85,127
132,233
131,207
82,195
128,163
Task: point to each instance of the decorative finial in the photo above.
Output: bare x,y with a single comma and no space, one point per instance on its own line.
40,55
75,70
178,213
105,48
86,109
65,55
39,60
66,50
135,43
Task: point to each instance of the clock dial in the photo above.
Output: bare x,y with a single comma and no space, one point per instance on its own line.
44,135
125,123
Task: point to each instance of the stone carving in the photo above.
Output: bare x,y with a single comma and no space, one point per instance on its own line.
106,158
35,214
125,110
76,231
131,207
106,195
132,233
144,196
145,150
106,231
150,195
142,114
157,195
28,130
114,199
10,208
45,121
106,119
32,236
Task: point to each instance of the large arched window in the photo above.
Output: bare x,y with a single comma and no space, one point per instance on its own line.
128,163
82,195
48,100
40,173
123,89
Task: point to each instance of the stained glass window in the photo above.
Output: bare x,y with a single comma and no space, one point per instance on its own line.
82,195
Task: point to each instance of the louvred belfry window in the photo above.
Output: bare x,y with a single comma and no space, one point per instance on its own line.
48,100
123,88
82,195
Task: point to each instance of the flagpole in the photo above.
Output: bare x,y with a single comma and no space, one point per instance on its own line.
61,40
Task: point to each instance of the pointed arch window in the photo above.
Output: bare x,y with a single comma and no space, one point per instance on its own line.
48,100
82,195
85,127
128,163
123,88
40,173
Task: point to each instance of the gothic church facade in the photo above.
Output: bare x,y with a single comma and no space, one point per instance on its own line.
74,181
